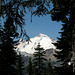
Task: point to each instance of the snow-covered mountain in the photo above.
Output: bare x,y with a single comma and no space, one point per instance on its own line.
29,47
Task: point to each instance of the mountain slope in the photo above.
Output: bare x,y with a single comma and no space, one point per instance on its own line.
44,40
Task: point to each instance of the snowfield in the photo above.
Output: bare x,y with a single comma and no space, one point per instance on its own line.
28,48
44,40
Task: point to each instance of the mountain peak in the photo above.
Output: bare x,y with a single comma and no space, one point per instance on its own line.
44,40
42,35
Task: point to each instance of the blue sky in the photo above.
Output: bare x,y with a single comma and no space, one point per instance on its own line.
44,25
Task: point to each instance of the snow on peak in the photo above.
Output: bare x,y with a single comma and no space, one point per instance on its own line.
44,40
42,35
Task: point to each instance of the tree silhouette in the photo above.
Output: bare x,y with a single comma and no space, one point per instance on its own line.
7,50
38,61
20,65
49,68
29,67
63,10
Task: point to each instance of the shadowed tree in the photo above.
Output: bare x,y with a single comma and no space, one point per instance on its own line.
38,61
63,10
49,70
29,67
20,65
7,52
11,15
65,45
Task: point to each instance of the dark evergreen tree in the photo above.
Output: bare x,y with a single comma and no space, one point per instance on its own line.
12,12
15,10
38,61
20,65
8,31
64,44
49,70
7,52
29,67
41,6
63,10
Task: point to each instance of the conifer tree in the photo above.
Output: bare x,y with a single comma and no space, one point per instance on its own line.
29,67
64,44
13,15
7,52
63,10
20,65
12,12
38,61
49,70
12,19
